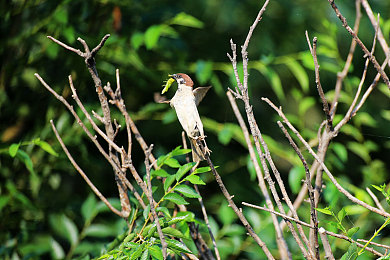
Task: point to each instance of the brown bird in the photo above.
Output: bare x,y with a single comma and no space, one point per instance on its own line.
185,102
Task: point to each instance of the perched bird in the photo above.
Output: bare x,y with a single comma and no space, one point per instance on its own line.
185,102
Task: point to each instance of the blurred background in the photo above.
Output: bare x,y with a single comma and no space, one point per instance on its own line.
41,195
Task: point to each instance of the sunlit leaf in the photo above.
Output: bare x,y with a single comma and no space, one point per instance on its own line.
88,209
172,162
187,191
137,39
176,198
152,35
295,177
352,231
326,211
195,179
186,20
168,182
183,170
13,149
177,246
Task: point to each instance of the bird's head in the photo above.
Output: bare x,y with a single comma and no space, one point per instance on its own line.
183,79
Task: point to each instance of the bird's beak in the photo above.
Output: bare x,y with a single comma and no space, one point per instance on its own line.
173,76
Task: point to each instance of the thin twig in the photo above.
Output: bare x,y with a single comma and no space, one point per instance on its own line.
373,243
348,115
375,24
313,212
204,251
341,75
81,172
310,226
151,202
377,203
284,252
236,210
325,243
313,50
360,43
330,175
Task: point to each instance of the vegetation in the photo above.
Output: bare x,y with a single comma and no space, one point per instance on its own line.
48,210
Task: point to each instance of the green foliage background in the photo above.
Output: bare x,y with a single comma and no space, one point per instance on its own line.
42,197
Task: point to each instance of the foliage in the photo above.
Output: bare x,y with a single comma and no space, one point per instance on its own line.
47,211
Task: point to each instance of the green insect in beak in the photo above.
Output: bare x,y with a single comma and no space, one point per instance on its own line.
168,84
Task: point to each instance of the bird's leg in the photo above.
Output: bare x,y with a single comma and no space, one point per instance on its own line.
206,149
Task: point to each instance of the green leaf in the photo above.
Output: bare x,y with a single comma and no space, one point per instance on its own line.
165,211
137,39
203,169
352,231
172,162
130,245
57,252
145,254
178,151
168,182
173,232
65,227
46,147
88,209
295,177
204,70
342,213
4,201
146,211
352,252
195,179
187,191
13,149
340,151
160,172
177,246
182,216
326,211
152,35
176,198
299,73
183,170
186,20
156,252
226,214
225,135
100,230
360,150
272,78
25,158
137,252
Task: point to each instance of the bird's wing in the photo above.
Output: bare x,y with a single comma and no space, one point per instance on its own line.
160,99
199,94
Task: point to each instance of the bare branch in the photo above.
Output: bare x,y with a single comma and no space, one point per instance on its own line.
149,193
325,105
341,75
279,234
310,226
331,177
81,172
360,43
313,212
236,210
325,242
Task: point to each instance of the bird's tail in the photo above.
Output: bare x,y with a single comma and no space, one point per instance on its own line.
197,153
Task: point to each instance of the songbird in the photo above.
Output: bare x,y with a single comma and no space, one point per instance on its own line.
185,102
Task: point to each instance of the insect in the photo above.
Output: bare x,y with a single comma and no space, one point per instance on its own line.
168,84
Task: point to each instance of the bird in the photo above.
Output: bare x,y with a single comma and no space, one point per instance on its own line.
185,102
